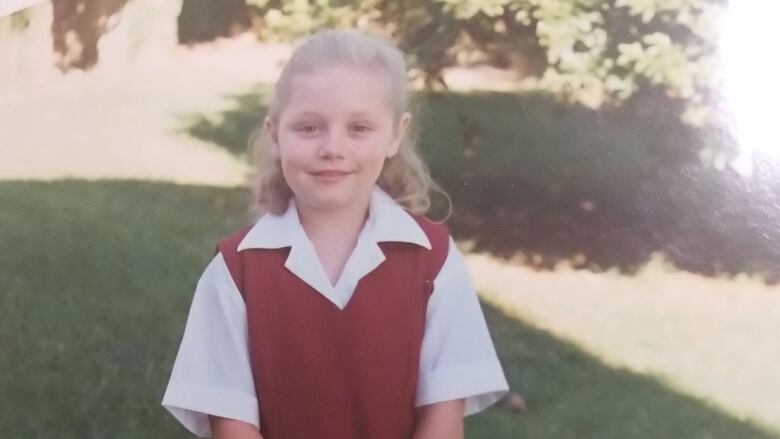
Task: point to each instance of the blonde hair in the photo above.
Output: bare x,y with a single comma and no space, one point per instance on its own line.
405,177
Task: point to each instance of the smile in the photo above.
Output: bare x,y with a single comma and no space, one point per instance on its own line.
330,175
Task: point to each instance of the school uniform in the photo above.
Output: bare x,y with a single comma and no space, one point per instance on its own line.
271,342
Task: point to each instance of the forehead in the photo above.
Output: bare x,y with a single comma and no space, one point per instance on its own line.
339,88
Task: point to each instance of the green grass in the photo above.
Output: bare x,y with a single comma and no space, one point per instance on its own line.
96,280
571,394
95,284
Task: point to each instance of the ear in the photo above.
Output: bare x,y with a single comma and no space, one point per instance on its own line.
400,134
273,135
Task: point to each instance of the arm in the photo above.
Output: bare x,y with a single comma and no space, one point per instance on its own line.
443,420
224,428
212,373
458,363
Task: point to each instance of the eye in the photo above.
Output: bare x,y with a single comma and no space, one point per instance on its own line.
361,128
308,128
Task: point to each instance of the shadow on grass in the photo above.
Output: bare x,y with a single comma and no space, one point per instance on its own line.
551,182
96,291
230,129
571,394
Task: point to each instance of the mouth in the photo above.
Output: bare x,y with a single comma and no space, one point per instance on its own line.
330,173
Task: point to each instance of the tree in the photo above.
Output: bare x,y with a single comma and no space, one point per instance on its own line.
592,52
77,27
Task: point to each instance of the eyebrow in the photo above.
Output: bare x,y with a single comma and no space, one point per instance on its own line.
316,114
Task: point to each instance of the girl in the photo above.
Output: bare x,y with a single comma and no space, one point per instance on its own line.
342,312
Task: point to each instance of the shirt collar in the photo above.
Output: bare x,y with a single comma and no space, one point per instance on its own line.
387,222
273,231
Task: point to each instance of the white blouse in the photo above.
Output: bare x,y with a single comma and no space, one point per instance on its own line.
212,374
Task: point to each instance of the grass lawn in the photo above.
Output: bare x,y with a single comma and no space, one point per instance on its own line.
96,280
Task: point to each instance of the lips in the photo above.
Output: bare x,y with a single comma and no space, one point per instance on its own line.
330,173
330,176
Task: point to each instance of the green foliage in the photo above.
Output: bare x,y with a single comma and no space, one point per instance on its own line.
591,52
20,20
14,23
282,20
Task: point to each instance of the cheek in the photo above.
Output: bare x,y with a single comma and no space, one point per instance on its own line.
291,153
375,153
371,158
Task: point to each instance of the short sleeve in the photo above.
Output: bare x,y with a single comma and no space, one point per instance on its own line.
212,373
457,358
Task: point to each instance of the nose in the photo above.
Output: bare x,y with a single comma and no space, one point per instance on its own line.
332,145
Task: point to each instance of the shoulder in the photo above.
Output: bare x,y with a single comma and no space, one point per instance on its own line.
229,243
439,236
437,231
227,248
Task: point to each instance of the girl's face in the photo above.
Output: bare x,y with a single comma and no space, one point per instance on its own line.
334,134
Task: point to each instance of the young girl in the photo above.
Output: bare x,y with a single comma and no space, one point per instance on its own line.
342,313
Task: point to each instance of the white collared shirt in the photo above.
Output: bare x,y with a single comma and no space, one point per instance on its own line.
212,374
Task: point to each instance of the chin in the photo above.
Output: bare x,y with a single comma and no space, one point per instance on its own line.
329,198
328,202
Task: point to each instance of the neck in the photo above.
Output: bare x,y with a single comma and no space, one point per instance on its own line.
347,221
